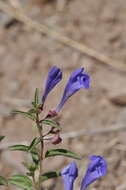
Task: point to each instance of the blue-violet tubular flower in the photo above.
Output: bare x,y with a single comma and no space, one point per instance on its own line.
54,77
96,169
78,79
69,175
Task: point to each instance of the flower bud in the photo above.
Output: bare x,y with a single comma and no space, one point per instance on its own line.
56,139
51,114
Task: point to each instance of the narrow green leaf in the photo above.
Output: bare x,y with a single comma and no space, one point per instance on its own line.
26,114
61,152
36,97
32,111
30,166
21,181
35,158
3,181
49,175
33,144
51,123
1,138
19,147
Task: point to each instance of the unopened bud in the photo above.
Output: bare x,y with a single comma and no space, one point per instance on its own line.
40,108
56,139
54,130
51,114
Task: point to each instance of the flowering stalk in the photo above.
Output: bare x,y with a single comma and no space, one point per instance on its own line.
29,181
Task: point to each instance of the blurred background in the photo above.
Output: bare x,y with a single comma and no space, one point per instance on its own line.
37,34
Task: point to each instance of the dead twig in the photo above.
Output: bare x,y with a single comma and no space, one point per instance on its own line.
18,14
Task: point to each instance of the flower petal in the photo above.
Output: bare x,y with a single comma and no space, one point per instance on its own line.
54,77
96,169
78,79
69,175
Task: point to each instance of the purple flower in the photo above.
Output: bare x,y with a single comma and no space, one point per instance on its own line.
96,169
69,175
78,79
54,76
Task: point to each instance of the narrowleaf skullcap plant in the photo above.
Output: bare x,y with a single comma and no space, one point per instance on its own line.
31,181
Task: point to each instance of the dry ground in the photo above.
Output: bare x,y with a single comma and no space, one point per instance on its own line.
25,57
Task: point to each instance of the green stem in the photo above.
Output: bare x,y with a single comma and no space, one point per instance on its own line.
34,183
40,130
41,150
33,178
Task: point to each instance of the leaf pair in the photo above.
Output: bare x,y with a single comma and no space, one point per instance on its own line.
49,153
25,182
